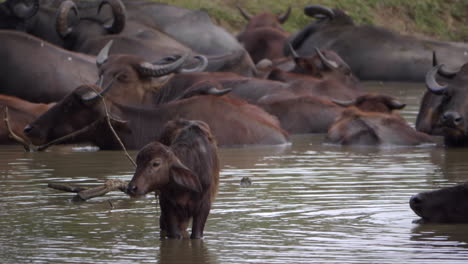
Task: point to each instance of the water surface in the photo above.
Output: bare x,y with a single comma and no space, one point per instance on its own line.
309,203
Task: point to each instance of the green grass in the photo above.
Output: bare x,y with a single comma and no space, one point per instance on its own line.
442,19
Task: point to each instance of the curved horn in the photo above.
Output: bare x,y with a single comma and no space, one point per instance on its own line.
394,104
329,63
91,96
314,10
119,13
61,21
282,18
23,11
155,70
200,67
103,54
293,52
442,71
244,13
344,103
431,82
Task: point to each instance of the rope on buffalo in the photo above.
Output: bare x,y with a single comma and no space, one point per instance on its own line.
12,134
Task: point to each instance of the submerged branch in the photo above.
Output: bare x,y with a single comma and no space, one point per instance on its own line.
83,194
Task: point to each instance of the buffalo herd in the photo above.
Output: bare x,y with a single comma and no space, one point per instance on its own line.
168,81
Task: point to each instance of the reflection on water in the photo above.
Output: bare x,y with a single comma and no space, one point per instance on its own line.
308,202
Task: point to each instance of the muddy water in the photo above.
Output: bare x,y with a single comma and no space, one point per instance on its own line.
309,203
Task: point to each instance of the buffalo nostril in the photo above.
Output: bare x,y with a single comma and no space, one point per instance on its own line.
27,129
131,189
416,201
452,118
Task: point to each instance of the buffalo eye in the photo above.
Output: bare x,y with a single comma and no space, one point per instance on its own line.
123,77
156,164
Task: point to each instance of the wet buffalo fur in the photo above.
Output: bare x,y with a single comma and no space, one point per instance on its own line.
184,168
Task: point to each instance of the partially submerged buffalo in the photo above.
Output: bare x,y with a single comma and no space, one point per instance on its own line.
444,109
446,205
184,168
233,122
374,53
369,120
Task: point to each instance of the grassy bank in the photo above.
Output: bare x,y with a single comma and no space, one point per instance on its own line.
442,19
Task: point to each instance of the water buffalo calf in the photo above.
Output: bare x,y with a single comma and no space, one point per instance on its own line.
446,205
184,167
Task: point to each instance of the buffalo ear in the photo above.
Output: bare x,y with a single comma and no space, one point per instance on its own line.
184,177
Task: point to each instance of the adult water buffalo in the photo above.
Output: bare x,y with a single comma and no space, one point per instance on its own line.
20,113
369,120
184,168
443,109
373,53
233,122
37,71
445,205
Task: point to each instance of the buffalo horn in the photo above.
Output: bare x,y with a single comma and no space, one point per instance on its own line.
282,18
344,103
214,91
103,54
61,22
318,11
293,52
91,96
431,82
200,67
394,104
442,71
329,63
23,11
244,13
119,14
155,70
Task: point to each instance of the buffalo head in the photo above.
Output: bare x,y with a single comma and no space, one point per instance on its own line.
265,19
77,110
14,14
452,112
159,168
373,103
446,205
133,77
84,28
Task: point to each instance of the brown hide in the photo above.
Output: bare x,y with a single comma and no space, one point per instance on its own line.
264,43
20,113
233,122
369,120
184,168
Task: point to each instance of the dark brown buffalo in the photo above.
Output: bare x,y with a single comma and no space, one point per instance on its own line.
264,43
184,168
20,114
445,205
233,122
444,109
370,120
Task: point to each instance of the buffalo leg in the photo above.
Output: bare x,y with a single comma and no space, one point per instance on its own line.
199,220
